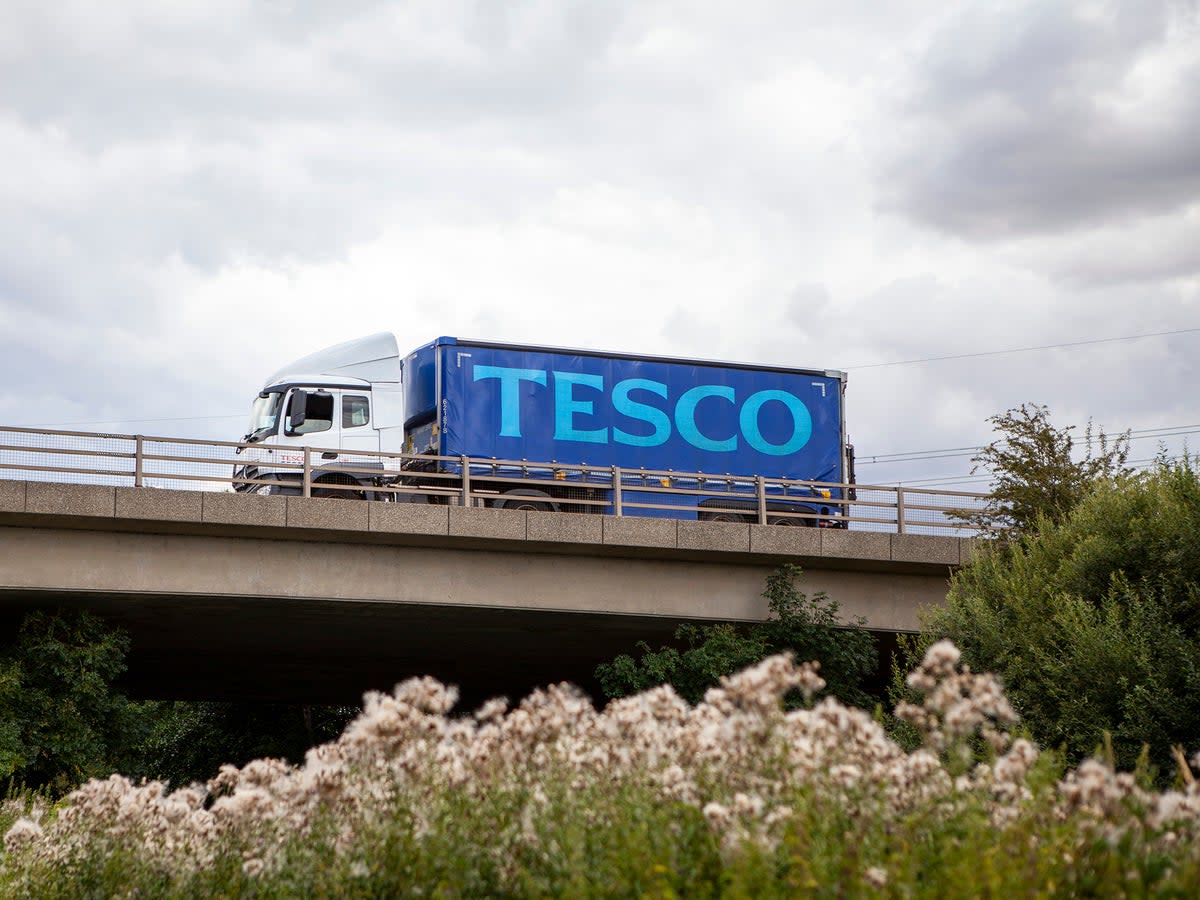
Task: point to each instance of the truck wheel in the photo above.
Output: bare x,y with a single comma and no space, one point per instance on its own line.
338,493
795,523
726,517
524,501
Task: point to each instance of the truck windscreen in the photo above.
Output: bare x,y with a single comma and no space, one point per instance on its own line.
264,415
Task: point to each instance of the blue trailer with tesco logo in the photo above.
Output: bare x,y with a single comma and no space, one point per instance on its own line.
700,429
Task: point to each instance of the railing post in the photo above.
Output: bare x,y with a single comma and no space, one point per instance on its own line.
899,510
466,481
618,499
307,488
760,486
137,460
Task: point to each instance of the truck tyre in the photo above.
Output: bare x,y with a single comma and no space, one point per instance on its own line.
525,500
783,520
727,517
338,493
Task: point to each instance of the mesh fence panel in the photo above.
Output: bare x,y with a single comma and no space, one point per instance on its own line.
66,457
176,464
934,512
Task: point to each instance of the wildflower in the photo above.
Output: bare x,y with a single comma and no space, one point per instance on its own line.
253,867
23,832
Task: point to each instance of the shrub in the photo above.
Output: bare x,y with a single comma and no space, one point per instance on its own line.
809,627
1093,622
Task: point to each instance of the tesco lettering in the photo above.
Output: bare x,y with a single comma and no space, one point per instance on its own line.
572,406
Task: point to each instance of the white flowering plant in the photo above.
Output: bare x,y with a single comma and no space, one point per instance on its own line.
736,795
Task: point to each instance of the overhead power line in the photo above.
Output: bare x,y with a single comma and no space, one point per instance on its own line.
1163,431
130,421
1110,340
963,479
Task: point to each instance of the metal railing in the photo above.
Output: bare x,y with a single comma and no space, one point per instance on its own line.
170,462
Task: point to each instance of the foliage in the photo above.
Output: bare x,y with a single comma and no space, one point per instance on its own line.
64,718
1093,622
809,627
61,721
188,740
734,797
1034,472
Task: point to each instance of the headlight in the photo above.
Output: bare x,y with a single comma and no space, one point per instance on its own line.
263,490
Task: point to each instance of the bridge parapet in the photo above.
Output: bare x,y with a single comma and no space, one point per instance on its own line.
176,511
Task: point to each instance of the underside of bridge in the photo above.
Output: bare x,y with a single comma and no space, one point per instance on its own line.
330,651
312,651
316,601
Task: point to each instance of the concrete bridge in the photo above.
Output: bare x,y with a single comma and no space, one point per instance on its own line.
291,598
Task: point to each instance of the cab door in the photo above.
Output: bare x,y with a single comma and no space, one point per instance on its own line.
356,421
319,426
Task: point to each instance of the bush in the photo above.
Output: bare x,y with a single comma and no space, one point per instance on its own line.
808,627
1035,475
1093,622
61,721
64,719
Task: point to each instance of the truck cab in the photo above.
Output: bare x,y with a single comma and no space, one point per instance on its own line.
344,405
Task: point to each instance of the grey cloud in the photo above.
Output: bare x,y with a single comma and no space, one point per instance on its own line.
1164,248
1008,133
158,152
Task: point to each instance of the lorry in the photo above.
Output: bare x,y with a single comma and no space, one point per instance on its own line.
549,428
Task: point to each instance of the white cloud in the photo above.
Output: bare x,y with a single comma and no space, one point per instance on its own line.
190,195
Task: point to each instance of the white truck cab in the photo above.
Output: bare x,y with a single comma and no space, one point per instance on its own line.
341,401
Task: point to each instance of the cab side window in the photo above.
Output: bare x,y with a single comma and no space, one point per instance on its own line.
355,411
318,413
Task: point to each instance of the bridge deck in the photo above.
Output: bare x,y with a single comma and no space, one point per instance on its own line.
308,599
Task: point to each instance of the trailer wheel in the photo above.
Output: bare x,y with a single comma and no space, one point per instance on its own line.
726,517
522,499
795,523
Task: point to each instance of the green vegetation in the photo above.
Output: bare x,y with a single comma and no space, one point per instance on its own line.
734,797
64,718
61,721
1035,476
808,627
1093,621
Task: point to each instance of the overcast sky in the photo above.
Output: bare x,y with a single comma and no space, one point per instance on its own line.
192,194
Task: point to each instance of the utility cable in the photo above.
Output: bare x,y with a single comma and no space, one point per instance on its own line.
1163,431
927,359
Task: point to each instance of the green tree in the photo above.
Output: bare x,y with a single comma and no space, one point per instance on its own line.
808,626
189,740
64,719
1034,471
61,721
1093,619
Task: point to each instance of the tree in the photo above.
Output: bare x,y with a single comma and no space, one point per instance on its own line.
189,740
809,627
64,719
1093,620
1035,474
61,721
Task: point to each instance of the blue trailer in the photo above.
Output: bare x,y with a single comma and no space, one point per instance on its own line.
692,425
554,429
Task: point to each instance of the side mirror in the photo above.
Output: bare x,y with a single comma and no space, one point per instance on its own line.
296,408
